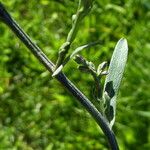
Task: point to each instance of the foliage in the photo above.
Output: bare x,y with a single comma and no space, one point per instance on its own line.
36,112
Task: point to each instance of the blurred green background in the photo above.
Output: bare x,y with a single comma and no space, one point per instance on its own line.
36,112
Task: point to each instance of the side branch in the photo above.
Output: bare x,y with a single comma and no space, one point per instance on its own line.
7,19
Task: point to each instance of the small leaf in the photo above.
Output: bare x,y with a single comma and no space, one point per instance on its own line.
57,71
104,73
113,79
101,67
91,66
79,59
77,50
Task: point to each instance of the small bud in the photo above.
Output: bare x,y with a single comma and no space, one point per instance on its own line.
65,45
91,66
73,17
104,73
101,67
79,59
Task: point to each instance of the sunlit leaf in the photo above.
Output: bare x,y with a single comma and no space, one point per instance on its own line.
79,49
101,67
57,71
113,79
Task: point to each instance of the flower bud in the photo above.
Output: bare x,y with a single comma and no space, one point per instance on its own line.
79,59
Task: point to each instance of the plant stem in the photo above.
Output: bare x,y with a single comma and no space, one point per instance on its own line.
7,19
83,10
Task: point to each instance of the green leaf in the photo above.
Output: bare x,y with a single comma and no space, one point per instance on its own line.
91,66
57,71
113,79
79,59
101,67
79,49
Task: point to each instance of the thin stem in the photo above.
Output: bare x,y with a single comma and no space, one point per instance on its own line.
83,10
6,18
98,89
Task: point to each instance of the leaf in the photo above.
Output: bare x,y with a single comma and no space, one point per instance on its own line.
57,71
77,50
79,59
113,79
101,67
91,66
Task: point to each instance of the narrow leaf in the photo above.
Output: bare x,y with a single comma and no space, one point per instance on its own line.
77,50
57,71
113,79
101,67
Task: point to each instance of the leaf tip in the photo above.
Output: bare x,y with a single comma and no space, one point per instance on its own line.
57,71
124,42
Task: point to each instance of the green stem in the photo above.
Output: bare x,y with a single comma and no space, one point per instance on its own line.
75,26
98,89
81,13
62,54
